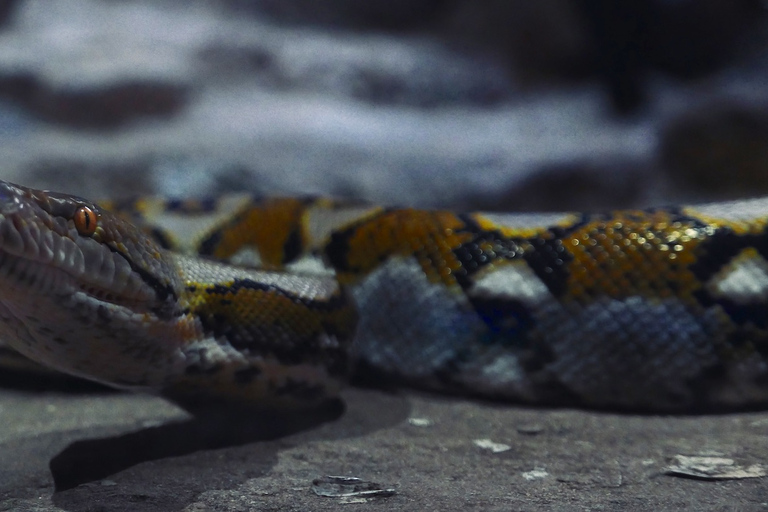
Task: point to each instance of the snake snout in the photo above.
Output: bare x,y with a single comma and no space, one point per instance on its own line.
10,201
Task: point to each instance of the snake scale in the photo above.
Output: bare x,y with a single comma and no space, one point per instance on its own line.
264,303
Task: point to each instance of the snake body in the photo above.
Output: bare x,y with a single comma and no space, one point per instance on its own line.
272,303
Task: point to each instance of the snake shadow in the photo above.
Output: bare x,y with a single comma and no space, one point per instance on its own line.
92,460
95,459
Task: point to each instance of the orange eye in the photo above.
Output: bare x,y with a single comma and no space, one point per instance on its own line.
85,221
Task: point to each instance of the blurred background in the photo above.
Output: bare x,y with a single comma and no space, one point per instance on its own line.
493,104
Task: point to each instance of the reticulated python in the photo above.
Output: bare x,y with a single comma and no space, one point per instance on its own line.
658,309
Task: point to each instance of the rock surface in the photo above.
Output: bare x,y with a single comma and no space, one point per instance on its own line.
433,451
199,97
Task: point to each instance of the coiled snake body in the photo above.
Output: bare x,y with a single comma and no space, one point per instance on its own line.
270,303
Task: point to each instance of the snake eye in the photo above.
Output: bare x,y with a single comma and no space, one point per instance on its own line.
85,221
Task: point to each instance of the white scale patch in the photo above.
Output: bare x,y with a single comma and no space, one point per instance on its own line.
310,265
529,220
505,368
305,286
187,229
732,211
246,257
413,327
515,281
322,220
743,280
497,371
408,324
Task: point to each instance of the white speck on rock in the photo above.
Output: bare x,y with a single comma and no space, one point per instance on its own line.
487,444
535,474
420,422
712,468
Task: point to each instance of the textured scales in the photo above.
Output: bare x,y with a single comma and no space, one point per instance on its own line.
659,309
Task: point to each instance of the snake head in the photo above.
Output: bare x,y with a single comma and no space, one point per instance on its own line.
82,290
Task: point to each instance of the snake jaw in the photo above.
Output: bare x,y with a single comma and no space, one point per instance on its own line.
52,318
80,303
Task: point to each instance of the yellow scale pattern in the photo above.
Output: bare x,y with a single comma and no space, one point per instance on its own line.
633,252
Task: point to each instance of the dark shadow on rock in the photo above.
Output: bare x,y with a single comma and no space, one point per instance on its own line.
168,484
95,459
31,382
366,411
169,465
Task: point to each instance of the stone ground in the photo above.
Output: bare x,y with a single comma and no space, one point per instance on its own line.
104,98
118,452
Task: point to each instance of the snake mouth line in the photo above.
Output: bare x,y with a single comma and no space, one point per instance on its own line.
39,248
38,278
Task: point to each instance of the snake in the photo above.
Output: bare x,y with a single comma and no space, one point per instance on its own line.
245,302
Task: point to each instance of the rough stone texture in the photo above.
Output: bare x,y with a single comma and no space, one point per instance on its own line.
194,98
200,99
543,41
719,147
682,39
7,9
372,14
557,459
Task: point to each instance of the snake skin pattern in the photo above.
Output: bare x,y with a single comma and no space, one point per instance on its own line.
659,309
